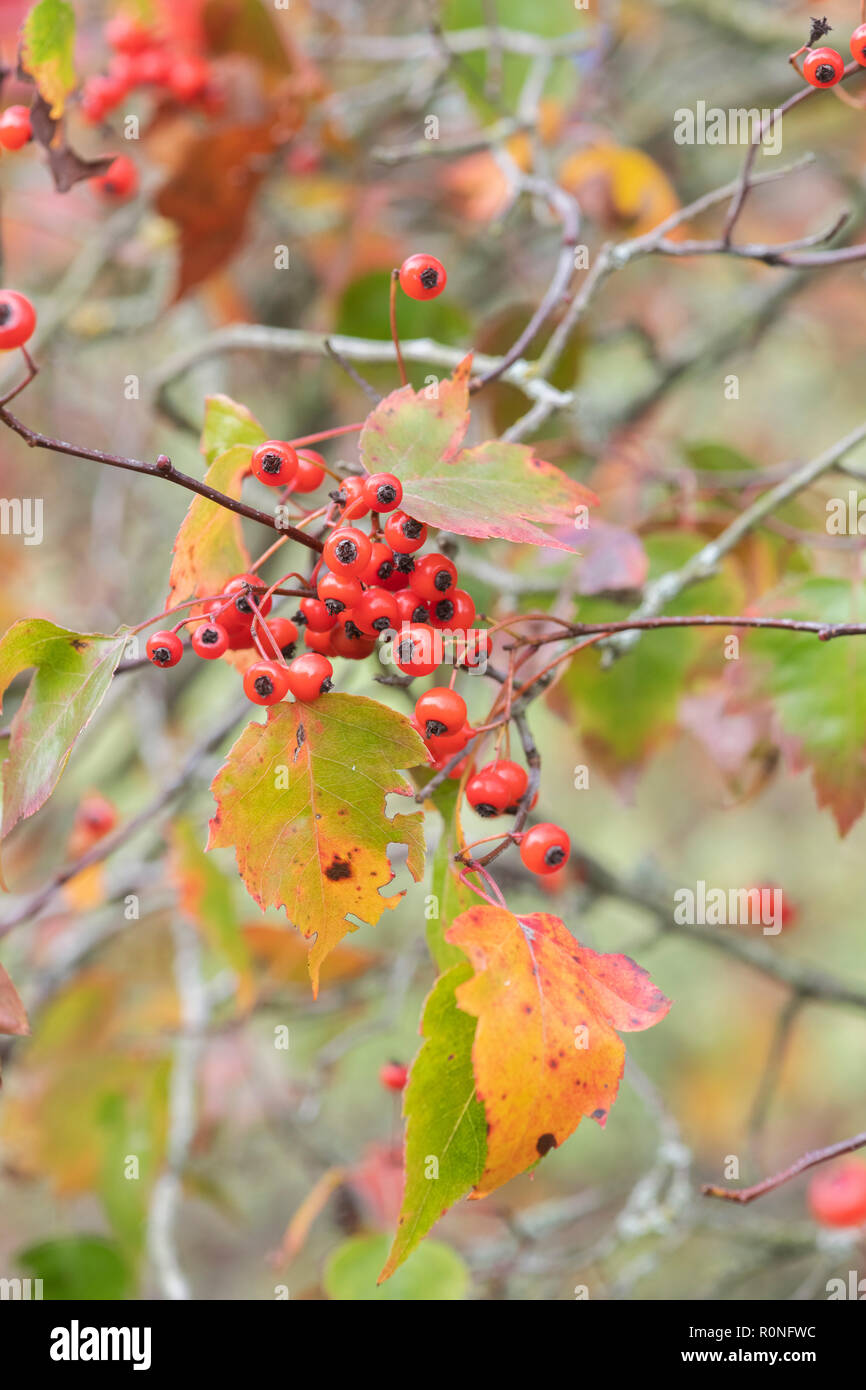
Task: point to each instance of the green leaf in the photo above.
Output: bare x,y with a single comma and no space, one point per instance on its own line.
435,1274
819,692
302,801
208,899
363,312
717,458
133,1125
445,1122
78,1268
227,423
73,673
494,489
452,896
48,51
209,548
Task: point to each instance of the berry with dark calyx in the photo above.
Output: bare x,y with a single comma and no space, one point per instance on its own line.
422,276
410,608
266,682
348,641
404,564
380,566
415,650
241,612
837,1196
274,463
311,471
376,612
513,776
545,848
17,319
347,551
440,711
404,534
444,745
823,67
321,642
316,615
434,576
350,496
120,179
309,676
210,640
15,127
96,815
442,613
486,794
383,492
463,615
393,1076
858,45
338,591
164,648
284,633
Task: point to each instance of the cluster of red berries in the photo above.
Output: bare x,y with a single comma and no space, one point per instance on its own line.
824,67
15,127
497,789
17,319
143,59
239,620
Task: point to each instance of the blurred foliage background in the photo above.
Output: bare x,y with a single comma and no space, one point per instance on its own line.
689,775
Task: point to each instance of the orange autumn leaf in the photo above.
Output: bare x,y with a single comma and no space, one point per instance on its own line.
546,1050
282,956
621,188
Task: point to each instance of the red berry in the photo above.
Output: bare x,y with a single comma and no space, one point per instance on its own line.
311,471
410,608
858,45
153,67
380,566
321,642
101,94
274,463
126,35
97,815
347,639
17,319
210,640
376,612
317,616
238,616
188,77
283,633
339,591
440,711
393,1076
487,794
444,745
383,492
266,682
351,498
512,775
415,650
455,610
422,276
164,648
309,676
545,848
120,179
837,1196
15,127
434,576
347,551
404,534
823,67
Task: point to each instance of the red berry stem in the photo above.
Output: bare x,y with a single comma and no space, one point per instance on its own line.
808,1160
392,314
32,371
327,434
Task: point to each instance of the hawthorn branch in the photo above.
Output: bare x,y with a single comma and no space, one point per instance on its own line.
825,632
802,1165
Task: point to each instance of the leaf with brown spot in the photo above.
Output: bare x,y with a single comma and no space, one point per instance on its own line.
493,489
307,820
546,1048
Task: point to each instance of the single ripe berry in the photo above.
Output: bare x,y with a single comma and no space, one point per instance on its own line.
513,777
316,615
126,35
444,745
393,1076
410,608
415,650
120,179
266,682
434,576
15,127
440,711
283,634
187,77
240,613
404,534
545,848
858,45
17,319
347,551
309,676
350,496
422,276
339,591
274,463
487,794
348,641
837,1196
380,566
823,67
311,471
463,609
376,612
383,492
321,642
96,815
164,648
210,640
